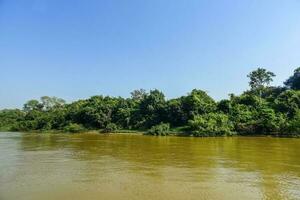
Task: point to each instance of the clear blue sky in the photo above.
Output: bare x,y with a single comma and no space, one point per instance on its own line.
75,48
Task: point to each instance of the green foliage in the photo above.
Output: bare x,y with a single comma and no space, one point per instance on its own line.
74,128
175,112
212,124
224,106
262,110
260,78
266,121
32,105
138,95
288,102
124,111
51,102
10,118
110,128
293,126
197,103
294,81
162,129
151,109
243,118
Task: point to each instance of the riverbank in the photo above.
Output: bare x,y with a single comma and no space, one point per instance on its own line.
172,133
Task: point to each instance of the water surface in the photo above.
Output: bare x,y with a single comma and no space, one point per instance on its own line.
135,167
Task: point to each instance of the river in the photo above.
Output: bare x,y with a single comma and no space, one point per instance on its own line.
137,167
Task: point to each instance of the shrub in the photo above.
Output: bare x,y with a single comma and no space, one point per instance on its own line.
160,129
74,128
110,128
293,126
212,124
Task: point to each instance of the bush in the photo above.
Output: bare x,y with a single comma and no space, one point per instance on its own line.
212,124
110,128
293,126
74,128
161,129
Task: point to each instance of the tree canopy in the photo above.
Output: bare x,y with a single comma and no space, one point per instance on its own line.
264,109
294,81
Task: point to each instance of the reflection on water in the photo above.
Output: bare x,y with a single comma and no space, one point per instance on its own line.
90,166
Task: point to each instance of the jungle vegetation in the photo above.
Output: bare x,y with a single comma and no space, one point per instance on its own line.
262,109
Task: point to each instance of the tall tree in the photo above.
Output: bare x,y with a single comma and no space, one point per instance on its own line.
138,95
51,102
259,79
294,81
32,105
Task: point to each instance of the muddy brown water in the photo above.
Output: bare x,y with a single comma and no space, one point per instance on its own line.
135,167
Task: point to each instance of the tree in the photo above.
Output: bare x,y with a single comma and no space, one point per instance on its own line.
267,121
198,102
123,114
51,102
10,118
243,118
138,95
152,109
274,110
294,81
212,124
288,102
97,111
259,79
32,105
294,124
175,113
224,106
249,100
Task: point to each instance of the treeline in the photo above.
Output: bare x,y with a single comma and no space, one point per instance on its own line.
263,109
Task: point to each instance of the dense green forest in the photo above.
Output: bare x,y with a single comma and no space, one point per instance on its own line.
263,109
